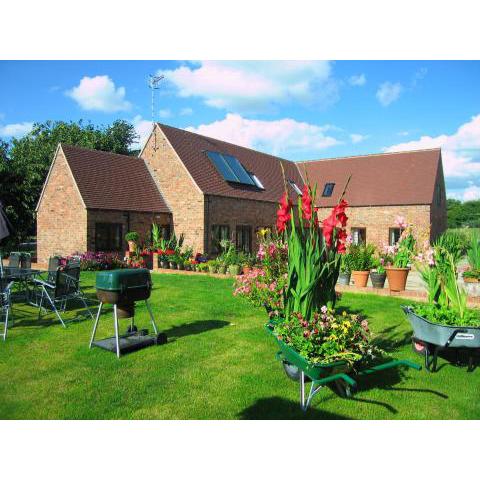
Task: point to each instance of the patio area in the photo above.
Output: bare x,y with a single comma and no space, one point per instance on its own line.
218,364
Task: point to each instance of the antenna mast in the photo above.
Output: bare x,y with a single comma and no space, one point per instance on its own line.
154,84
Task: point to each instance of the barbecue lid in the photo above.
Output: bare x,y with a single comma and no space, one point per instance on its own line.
121,280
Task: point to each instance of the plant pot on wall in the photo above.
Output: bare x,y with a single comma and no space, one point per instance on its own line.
173,265
378,279
222,269
397,278
163,264
360,277
344,278
132,246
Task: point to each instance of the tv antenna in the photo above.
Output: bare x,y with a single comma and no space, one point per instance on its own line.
154,84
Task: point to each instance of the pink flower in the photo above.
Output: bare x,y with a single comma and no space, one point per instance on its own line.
400,221
324,309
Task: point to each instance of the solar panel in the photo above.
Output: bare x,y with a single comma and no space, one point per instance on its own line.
222,166
230,168
237,167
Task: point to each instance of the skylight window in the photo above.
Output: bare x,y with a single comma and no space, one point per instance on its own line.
328,189
295,187
257,181
230,168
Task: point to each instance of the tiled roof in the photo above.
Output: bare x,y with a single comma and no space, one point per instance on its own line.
403,178
191,148
110,181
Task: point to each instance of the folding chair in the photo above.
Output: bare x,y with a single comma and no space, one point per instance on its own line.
5,305
64,287
14,259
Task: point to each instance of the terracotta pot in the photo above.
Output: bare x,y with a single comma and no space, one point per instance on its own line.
360,277
246,269
132,246
397,278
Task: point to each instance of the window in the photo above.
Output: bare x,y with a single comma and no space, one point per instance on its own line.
219,233
165,231
244,238
359,236
258,183
230,168
394,235
108,237
328,189
295,187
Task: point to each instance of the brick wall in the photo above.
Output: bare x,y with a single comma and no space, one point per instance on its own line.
378,220
61,216
178,189
140,222
233,212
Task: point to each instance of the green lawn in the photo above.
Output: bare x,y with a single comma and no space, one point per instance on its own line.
219,364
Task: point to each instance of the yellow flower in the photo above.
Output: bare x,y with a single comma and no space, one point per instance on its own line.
334,326
344,313
347,324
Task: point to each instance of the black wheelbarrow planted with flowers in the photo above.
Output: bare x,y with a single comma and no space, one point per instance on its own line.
321,374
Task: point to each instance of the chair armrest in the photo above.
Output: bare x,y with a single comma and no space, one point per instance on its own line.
43,283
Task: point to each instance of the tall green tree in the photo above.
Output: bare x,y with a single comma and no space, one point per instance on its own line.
463,214
24,163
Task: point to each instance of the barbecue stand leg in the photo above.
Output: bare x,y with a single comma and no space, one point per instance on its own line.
151,317
96,324
117,340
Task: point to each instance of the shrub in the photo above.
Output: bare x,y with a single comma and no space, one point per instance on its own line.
132,237
361,257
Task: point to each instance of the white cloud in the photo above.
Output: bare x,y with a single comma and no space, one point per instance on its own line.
357,137
357,80
471,193
166,113
15,129
186,111
388,92
403,134
460,153
255,85
143,129
99,93
275,136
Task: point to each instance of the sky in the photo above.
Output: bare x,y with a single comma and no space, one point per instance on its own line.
299,110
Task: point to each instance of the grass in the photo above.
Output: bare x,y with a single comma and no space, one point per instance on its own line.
219,364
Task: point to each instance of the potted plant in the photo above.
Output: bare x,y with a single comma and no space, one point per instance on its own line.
361,261
172,259
212,266
132,240
202,267
162,259
400,257
345,270
234,270
378,274
222,268
248,263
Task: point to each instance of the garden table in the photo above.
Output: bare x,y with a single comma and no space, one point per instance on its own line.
20,276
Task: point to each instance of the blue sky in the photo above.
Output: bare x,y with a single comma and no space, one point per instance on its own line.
297,110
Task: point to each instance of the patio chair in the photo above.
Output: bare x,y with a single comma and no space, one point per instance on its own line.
53,264
26,260
57,293
14,259
5,305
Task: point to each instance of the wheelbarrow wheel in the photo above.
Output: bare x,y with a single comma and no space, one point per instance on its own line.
419,346
343,389
292,372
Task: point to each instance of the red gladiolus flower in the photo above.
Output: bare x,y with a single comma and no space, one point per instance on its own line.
306,203
283,213
336,220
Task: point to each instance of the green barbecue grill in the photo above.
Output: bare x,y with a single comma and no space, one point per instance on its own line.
122,288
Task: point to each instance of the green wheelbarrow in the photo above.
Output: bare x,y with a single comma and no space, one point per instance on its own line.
321,374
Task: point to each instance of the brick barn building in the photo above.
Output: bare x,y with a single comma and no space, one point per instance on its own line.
209,189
